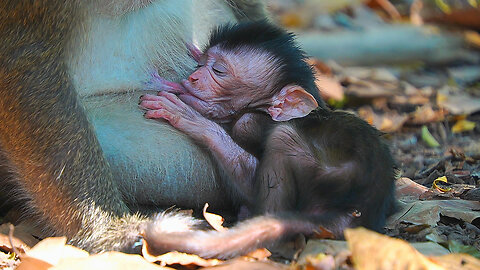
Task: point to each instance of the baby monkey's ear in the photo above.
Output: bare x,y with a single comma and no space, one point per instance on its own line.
291,102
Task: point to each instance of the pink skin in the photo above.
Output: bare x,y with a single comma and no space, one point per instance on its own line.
160,84
205,94
237,163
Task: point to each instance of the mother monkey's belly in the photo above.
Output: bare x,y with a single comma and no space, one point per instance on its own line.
153,163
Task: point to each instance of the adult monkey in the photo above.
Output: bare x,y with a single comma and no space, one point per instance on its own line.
60,62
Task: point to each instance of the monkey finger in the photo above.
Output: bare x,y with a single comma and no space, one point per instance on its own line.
150,97
176,120
195,103
161,114
152,104
174,99
169,102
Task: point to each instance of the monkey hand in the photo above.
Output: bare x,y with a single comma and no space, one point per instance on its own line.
180,115
156,82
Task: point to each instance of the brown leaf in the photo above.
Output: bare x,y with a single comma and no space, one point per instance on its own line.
176,257
386,122
371,250
322,233
330,88
244,264
214,220
107,261
425,114
406,188
320,262
49,252
259,254
457,261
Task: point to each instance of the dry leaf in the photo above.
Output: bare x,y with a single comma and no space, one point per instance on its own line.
386,122
428,212
406,188
107,261
322,233
425,114
176,257
458,261
50,252
437,181
371,250
330,88
214,220
259,254
473,38
320,262
243,264
459,104
463,125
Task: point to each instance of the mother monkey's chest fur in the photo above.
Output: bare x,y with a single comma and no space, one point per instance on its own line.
110,57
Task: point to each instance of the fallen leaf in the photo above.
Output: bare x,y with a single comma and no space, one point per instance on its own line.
107,261
49,252
463,125
320,262
457,247
322,233
314,246
371,250
473,38
214,220
259,254
428,138
330,88
458,261
245,264
176,257
428,212
386,122
437,181
459,104
405,188
425,114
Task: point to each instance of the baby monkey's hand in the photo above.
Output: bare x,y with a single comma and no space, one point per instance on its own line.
181,116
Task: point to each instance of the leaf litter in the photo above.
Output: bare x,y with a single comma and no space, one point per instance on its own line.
429,108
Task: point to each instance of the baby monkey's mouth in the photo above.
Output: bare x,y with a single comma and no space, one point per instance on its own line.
188,89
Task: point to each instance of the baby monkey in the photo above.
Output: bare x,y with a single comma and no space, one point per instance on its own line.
253,103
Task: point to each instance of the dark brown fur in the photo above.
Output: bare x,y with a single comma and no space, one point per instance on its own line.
326,170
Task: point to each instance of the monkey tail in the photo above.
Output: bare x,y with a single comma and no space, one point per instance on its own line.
241,239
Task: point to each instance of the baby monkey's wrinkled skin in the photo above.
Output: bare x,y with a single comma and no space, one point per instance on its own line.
253,103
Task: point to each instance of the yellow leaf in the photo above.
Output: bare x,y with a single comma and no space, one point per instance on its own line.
214,220
473,38
463,125
441,179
